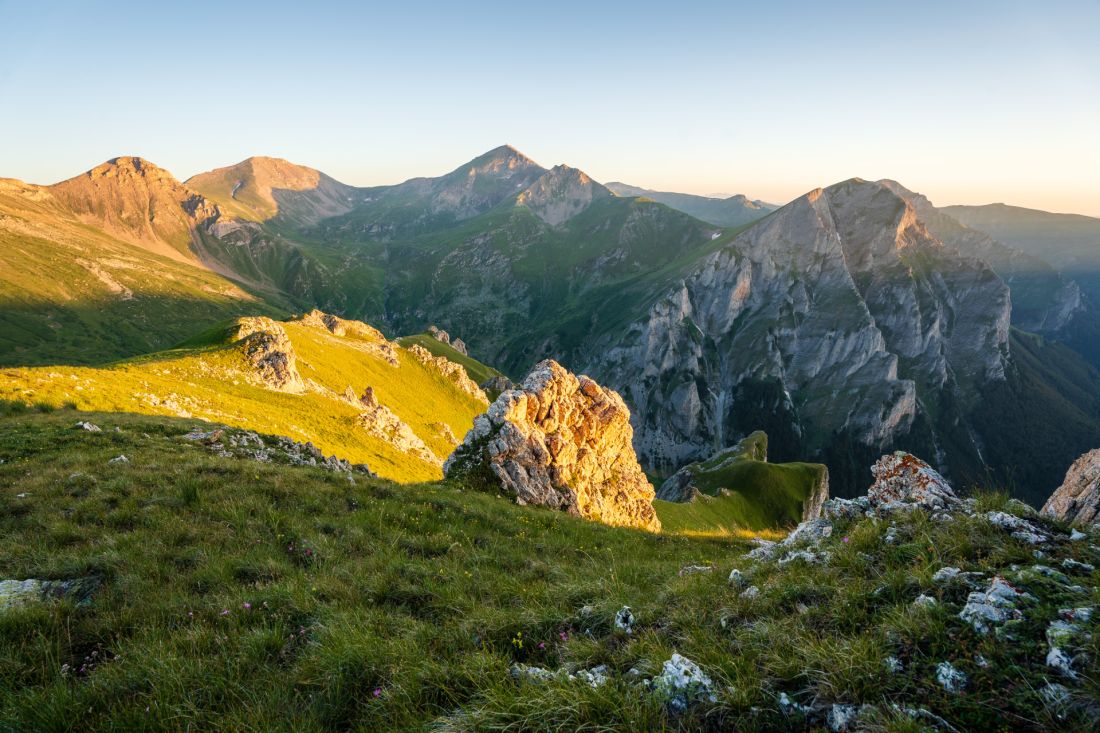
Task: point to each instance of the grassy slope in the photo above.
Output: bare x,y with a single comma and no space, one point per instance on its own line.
477,371
209,382
54,308
747,495
412,603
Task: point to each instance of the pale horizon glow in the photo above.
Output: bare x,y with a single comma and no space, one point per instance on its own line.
987,103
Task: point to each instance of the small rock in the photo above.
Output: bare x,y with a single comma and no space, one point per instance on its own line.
842,717
1077,535
925,601
950,678
1071,564
893,665
119,459
806,556
1057,697
789,707
891,536
693,569
737,578
750,593
528,673
682,683
994,606
1020,529
624,620
595,677
90,427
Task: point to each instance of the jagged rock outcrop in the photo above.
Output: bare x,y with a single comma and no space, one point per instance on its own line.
497,384
366,337
833,315
449,369
381,422
1078,498
268,348
564,442
442,336
902,478
233,443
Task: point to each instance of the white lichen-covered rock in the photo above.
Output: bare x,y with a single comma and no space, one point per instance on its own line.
1078,498
16,593
840,718
624,620
1021,529
271,354
682,683
840,508
564,442
903,479
737,578
950,678
87,426
925,601
995,605
1064,638
694,570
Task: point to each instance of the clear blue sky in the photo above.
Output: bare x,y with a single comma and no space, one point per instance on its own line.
968,102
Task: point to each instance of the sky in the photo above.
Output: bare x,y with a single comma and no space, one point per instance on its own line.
966,102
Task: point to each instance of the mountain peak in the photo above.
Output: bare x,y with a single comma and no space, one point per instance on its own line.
126,166
261,188
504,161
561,193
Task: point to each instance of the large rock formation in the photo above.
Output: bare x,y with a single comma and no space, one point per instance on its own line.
268,348
1078,498
902,478
563,442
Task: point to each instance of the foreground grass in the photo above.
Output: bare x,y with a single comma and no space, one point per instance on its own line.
250,597
369,606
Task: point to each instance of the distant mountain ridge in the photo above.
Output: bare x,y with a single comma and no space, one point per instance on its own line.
733,211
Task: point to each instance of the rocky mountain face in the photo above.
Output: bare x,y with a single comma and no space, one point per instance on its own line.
733,211
1078,498
560,441
1044,301
840,315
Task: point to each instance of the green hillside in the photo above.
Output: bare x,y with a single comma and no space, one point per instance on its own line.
478,372
211,378
224,594
750,495
738,490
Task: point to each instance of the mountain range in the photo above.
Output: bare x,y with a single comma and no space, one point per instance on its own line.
856,319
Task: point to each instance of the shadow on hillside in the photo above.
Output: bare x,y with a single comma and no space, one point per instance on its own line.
87,333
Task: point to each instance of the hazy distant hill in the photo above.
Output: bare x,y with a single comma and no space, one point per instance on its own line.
733,211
